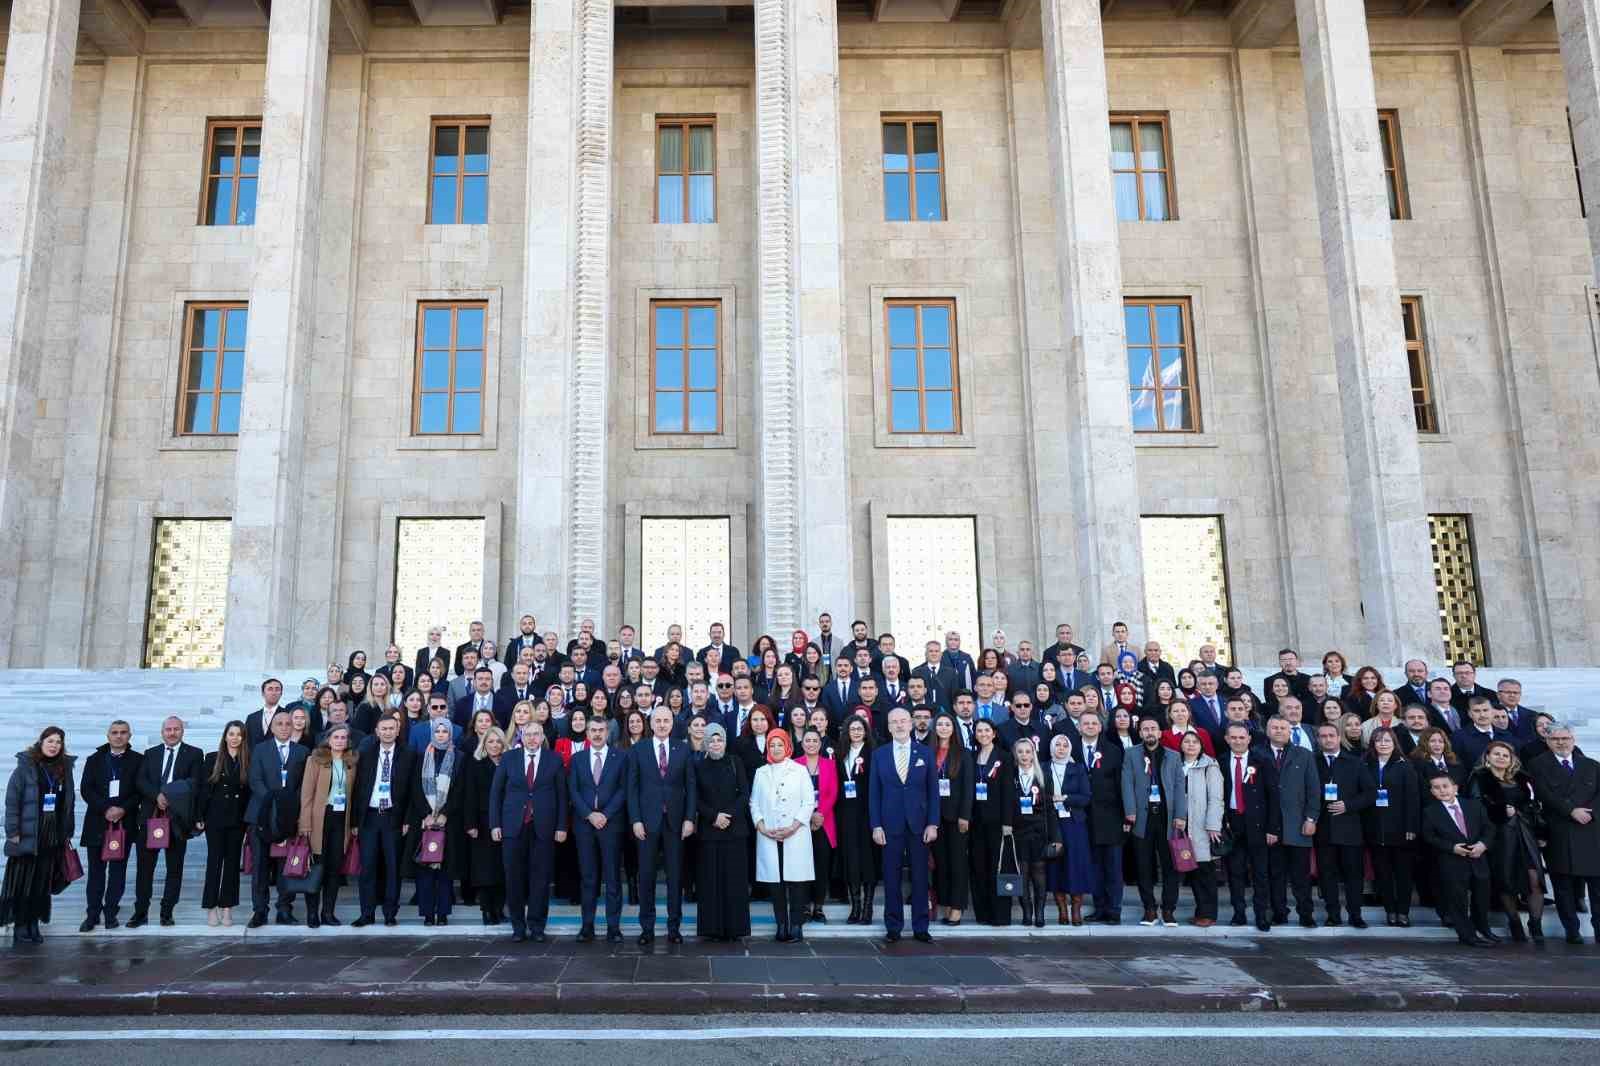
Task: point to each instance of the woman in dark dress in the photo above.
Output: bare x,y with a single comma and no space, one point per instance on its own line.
855,856
750,748
951,870
722,796
436,803
224,792
1391,825
1070,876
484,869
988,819
40,820
1514,862
1030,823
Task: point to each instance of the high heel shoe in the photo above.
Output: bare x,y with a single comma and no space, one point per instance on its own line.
1077,910
214,917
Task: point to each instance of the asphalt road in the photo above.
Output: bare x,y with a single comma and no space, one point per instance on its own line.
1081,1038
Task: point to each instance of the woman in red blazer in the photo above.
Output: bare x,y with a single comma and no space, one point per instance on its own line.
1179,722
824,838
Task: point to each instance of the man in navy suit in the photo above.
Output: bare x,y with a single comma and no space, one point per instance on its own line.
1520,720
842,692
903,805
273,813
598,787
661,803
481,698
1207,707
528,815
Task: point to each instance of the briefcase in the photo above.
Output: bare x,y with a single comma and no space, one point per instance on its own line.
114,848
430,849
157,833
1008,884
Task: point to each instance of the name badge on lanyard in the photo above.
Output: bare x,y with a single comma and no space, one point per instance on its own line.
383,789
849,790
1330,792
283,778
1383,797
113,788
944,786
1062,810
981,791
338,804
50,802
1155,792
1026,804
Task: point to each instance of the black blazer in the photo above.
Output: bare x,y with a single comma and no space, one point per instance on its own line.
1426,771
222,802
1439,832
95,788
1010,792
1356,789
1263,814
995,773
958,768
1387,826
403,778
186,766
1105,789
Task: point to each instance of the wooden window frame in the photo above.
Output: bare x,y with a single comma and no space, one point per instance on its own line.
1136,119
1185,307
684,123
1389,130
918,303
909,121
216,392
238,125
455,307
461,123
686,304
1424,400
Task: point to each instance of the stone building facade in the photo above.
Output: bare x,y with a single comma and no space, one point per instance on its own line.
1278,243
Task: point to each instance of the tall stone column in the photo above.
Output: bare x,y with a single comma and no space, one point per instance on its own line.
35,103
1387,505
560,537
1099,425
1578,24
76,542
804,489
268,468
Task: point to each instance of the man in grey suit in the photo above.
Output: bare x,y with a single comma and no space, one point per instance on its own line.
273,813
1300,797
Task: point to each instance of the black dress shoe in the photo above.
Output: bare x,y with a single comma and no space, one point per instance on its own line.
586,936
614,937
1403,921
256,921
282,918
112,923
87,926
539,937
1308,922
1239,919
443,919
1332,923
362,922
893,937
1477,942
1575,938
646,938
1263,925
168,920
313,921
674,937
1357,922
923,937
391,921
430,921
330,919
137,920
1493,938
519,936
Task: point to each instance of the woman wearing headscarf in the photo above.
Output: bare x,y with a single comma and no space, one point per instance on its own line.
325,821
856,858
721,798
40,819
781,804
436,804
485,870
1127,673
1071,874
357,666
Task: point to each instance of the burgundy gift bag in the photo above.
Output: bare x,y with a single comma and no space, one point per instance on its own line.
431,848
114,848
157,833
351,867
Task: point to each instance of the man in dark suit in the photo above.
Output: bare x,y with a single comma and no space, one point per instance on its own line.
528,816
1470,741
1442,714
1154,668
1348,788
626,651
258,726
661,808
518,686
1253,817
598,790
527,637
277,767
109,798
1568,785
744,701
1521,721
1104,763
588,642
168,785
1236,710
1209,664
841,694
942,683
1466,688
1023,722
729,652
481,698
431,651
1063,644
1208,708
966,720
385,775
474,641
1289,670
1460,835
1068,677
903,808
1299,808
1415,687
892,683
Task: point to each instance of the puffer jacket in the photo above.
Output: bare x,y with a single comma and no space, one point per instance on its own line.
22,807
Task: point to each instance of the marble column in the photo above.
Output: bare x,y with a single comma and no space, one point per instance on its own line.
804,494
1099,429
35,103
1578,25
1387,505
560,539
268,468
78,514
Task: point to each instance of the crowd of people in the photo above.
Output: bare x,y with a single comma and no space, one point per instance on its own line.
995,786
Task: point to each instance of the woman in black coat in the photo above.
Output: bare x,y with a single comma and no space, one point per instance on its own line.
485,872
1391,825
440,761
224,793
1030,824
856,858
989,770
1515,865
722,803
951,867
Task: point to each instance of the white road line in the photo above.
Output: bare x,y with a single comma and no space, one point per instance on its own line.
986,1033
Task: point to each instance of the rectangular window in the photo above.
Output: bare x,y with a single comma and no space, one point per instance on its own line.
1422,402
438,577
933,577
686,367
686,575
1455,582
458,172
1186,584
213,368
924,382
1394,164
913,169
187,611
686,170
1141,168
233,164
450,371
1161,366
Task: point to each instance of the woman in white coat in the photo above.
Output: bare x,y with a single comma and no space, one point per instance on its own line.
781,802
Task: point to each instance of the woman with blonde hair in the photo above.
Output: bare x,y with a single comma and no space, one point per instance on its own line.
485,873
1514,862
325,820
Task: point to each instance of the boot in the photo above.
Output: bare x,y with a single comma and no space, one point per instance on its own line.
1518,935
1077,910
1026,899
1061,908
33,931
817,915
855,906
869,894
1038,906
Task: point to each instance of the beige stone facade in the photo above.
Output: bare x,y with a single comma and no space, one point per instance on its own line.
1282,245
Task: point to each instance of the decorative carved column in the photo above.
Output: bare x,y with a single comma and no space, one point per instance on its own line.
560,538
804,494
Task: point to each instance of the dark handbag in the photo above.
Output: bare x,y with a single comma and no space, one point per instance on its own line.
1223,844
71,865
298,880
114,848
247,858
1008,884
